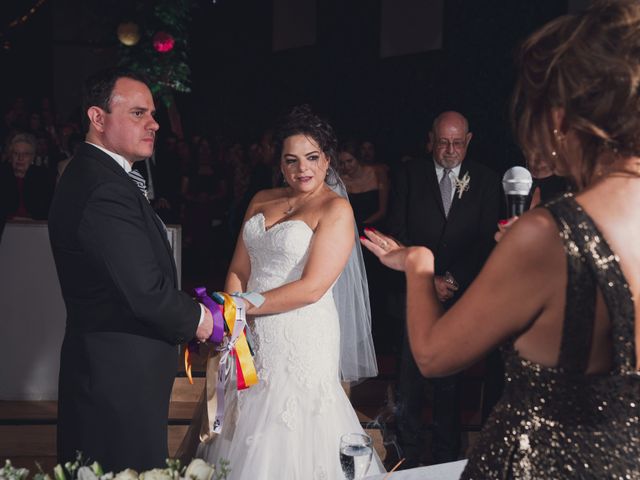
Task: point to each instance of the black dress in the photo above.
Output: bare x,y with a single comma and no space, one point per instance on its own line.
364,204
560,422
384,332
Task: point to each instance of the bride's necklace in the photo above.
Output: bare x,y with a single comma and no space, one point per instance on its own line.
289,210
293,208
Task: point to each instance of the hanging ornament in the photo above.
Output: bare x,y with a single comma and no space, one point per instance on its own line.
163,42
128,33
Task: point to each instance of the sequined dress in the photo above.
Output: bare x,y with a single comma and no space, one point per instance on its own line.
288,426
557,423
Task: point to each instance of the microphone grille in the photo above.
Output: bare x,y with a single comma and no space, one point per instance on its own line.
517,181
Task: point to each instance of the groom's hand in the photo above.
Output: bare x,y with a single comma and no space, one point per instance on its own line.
205,329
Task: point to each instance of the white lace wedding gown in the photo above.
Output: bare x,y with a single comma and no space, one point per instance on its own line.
288,426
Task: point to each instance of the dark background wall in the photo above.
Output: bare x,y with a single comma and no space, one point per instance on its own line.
239,85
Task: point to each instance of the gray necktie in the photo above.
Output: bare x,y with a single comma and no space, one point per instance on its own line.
139,180
445,191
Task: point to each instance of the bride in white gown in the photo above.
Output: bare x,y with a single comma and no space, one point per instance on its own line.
294,245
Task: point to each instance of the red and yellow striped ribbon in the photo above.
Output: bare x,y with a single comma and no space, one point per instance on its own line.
246,370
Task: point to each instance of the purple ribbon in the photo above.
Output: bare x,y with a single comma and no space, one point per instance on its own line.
214,308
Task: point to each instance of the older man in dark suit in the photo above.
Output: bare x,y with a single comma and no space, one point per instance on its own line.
450,205
125,315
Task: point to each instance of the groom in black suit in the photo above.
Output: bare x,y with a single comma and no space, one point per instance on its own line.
450,205
125,316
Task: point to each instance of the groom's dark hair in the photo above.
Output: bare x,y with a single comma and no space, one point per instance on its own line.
98,89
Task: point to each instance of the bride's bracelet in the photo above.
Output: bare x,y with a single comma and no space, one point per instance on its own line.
254,298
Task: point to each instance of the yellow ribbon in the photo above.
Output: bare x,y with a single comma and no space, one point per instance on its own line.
246,371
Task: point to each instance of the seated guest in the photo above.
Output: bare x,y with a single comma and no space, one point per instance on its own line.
558,290
25,189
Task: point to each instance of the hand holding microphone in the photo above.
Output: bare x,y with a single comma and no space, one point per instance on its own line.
516,183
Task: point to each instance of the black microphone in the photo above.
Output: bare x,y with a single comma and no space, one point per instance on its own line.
517,185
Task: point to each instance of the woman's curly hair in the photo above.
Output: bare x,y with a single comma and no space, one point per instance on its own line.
302,121
587,64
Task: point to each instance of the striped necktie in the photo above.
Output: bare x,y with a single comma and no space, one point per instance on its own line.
139,180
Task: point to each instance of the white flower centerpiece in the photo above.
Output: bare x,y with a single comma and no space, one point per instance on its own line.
198,469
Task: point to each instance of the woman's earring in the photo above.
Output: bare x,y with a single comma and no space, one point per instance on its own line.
559,138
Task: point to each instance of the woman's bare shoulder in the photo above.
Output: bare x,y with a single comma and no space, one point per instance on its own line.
263,198
335,204
266,196
269,194
534,231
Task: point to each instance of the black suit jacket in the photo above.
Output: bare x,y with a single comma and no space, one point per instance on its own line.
460,242
125,316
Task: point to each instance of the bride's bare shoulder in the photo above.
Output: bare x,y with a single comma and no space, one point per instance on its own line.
264,197
335,205
269,195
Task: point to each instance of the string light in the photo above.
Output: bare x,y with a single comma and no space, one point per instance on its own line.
18,22
25,18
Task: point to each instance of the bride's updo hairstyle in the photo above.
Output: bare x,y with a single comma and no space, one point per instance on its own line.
589,65
302,121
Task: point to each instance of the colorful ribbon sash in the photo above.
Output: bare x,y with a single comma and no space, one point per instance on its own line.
216,335
219,366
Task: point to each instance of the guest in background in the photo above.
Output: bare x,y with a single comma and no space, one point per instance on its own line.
368,189
73,141
559,291
260,177
240,168
25,189
166,172
367,152
451,205
546,185
205,194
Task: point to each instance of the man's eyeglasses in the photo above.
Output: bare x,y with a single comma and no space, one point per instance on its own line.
444,143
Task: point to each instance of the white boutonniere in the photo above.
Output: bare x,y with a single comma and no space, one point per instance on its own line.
462,184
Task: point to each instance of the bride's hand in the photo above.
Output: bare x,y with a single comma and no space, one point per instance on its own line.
395,255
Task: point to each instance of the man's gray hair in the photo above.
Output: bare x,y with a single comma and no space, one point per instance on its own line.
23,138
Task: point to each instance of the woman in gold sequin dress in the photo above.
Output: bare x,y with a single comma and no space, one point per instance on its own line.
558,291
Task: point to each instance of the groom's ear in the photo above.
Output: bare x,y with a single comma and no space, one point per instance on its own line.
96,118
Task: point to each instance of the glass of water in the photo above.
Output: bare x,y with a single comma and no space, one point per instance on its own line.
356,450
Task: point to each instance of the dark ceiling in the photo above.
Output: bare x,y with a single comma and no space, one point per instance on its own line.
239,85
